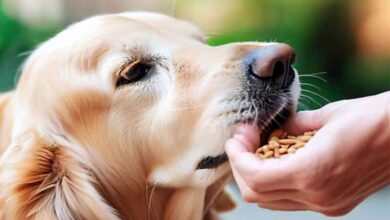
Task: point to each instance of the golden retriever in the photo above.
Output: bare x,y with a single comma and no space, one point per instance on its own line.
125,116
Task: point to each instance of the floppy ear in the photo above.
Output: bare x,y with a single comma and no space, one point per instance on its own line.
48,180
217,199
224,202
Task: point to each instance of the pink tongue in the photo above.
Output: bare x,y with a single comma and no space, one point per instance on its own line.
251,132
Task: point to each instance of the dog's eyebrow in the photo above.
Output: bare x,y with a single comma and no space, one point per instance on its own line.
91,57
145,54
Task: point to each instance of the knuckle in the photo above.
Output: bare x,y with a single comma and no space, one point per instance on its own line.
248,196
323,201
253,182
336,212
307,183
266,206
252,185
317,119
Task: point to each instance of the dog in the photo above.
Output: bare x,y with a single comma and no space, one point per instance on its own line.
125,116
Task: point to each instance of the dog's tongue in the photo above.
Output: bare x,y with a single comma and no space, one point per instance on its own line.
250,132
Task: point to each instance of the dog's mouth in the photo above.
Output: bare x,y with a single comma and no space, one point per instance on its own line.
265,129
274,124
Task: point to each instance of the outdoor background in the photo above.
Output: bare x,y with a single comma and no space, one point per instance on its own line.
343,49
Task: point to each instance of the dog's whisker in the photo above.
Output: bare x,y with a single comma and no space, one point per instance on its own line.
249,111
305,107
311,85
149,200
304,98
264,125
240,106
256,114
313,76
311,99
301,99
272,118
316,94
281,115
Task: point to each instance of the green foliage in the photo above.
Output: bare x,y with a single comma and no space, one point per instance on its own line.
16,40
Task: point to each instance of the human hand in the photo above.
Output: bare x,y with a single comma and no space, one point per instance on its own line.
347,160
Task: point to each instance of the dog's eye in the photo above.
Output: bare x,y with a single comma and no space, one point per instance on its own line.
133,73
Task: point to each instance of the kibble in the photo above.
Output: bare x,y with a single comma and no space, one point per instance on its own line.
279,144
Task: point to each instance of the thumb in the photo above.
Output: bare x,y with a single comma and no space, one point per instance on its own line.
304,121
312,120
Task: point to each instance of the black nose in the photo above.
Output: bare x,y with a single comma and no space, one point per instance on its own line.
273,63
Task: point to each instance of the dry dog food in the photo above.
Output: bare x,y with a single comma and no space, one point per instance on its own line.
280,143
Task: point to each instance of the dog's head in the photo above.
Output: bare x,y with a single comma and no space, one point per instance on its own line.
150,88
143,92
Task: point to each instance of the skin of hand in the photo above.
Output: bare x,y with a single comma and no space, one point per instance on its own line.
347,160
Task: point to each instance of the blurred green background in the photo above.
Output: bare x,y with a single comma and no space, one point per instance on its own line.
345,42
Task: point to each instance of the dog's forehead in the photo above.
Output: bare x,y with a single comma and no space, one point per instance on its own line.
137,24
161,21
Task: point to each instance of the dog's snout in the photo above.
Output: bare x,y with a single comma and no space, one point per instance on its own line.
273,62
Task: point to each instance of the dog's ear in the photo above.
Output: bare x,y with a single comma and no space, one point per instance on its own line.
50,180
224,202
217,199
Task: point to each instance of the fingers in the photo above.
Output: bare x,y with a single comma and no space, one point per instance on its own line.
284,205
264,197
246,192
282,194
259,175
304,121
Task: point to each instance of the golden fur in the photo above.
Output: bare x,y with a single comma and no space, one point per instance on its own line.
72,146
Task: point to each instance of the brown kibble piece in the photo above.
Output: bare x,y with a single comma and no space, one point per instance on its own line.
266,148
273,144
260,155
298,145
280,143
282,150
291,150
304,138
277,133
276,154
287,141
268,154
309,133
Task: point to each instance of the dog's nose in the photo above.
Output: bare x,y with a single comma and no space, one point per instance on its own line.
273,62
